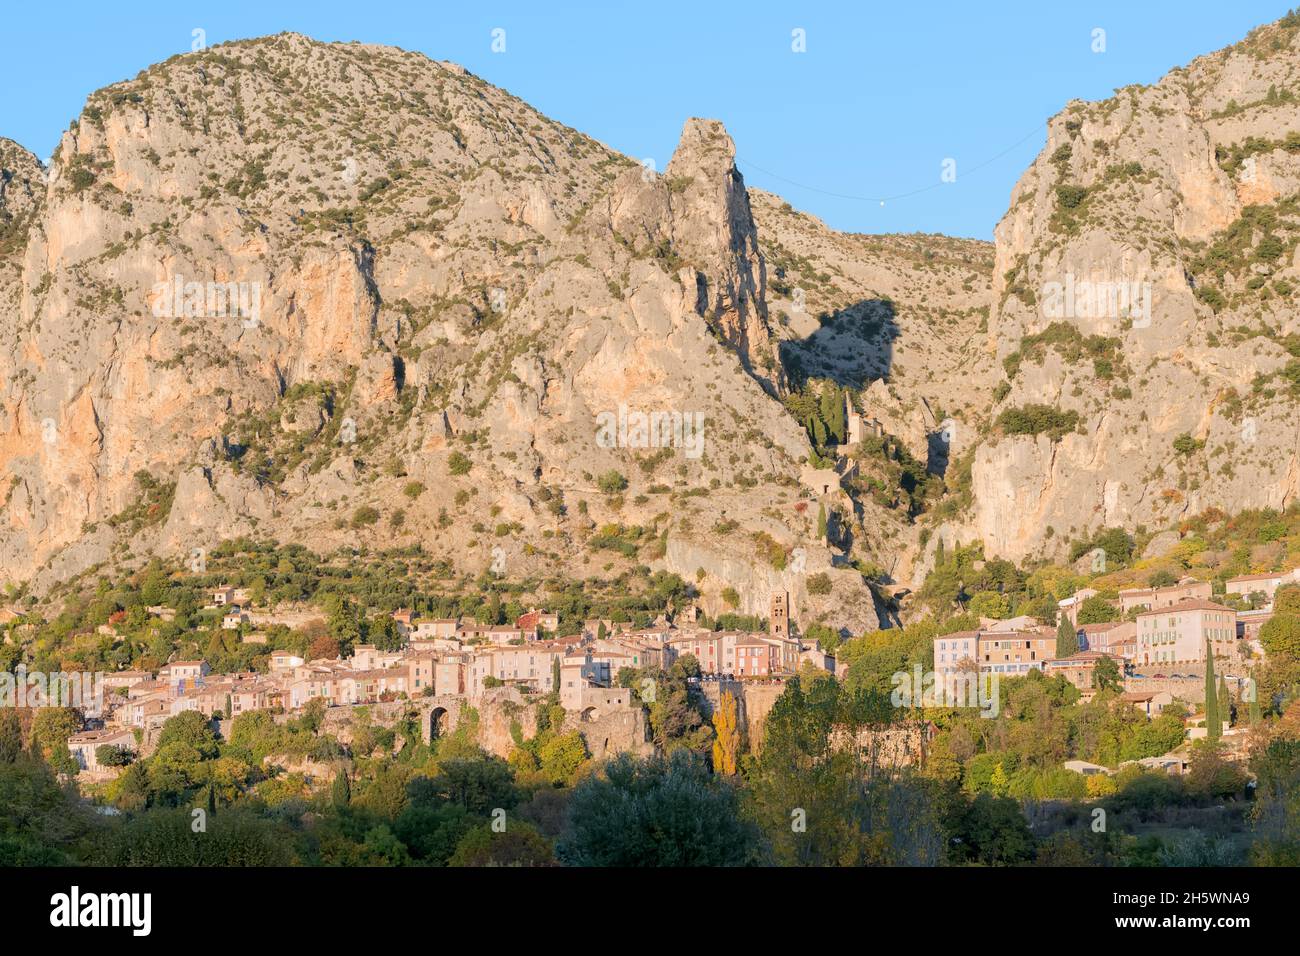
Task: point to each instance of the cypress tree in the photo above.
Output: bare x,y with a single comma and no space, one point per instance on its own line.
1067,638
1224,702
820,435
1213,720
342,795
832,413
821,521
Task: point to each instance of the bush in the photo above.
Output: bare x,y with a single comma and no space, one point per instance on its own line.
657,812
517,845
110,755
611,482
1036,419
458,464
364,516
1071,197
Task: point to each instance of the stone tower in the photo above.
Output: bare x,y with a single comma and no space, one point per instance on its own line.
853,422
779,615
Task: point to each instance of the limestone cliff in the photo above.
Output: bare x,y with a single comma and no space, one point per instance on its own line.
340,294
1146,280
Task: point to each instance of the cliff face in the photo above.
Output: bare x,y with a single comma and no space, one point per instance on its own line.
1146,279
274,285
345,296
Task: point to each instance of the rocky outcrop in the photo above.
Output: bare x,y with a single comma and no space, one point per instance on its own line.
272,287
343,295
1146,239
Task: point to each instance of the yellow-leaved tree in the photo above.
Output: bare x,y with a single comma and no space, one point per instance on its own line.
726,741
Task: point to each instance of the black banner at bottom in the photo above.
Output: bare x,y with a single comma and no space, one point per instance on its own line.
334,905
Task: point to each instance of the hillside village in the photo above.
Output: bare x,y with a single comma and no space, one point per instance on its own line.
1155,652
444,660
400,552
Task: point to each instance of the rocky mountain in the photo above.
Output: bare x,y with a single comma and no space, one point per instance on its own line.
1145,293
893,319
346,296
343,295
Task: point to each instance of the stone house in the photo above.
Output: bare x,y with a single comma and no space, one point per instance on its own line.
1188,589
1179,633
1266,584
183,670
83,747
1079,669
1016,653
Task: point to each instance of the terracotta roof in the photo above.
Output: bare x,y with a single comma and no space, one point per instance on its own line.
1190,604
91,736
1260,577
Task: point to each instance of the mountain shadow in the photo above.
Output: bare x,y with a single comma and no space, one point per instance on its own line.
852,346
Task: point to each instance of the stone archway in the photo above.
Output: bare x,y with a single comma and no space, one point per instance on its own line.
439,716
439,723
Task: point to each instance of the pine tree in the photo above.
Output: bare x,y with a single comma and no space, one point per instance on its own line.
1213,720
342,795
726,743
1067,639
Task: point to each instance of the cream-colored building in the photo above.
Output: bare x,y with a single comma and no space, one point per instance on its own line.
956,652
1179,633
1266,584
528,664
1151,599
83,746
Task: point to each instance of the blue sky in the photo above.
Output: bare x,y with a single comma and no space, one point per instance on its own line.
883,94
